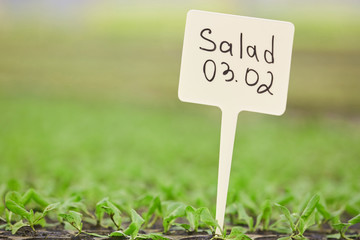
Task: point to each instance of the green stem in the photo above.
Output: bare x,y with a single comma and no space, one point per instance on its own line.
112,219
152,222
79,230
32,227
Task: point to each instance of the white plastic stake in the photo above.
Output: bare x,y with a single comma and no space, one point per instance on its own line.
227,138
237,64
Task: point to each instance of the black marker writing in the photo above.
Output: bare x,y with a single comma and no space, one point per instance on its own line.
229,49
249,51
214,70
241,43
228,70
264,87
247,74
270,52
207,39
254,53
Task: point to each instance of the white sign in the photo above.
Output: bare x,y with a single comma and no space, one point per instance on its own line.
237,64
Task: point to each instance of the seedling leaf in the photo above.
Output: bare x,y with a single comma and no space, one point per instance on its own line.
155,205
208,219
134,227
323,211
81,206
31,194
310,207
184,226
99,210
355,220
287,215
38,220
13,203
50,208
77,217
243,215
8,215
95,235
118,234
152,236
248,202
284,238
265,215
193,216
237,234
301,226
307,216
17,226
335,235
173,210
340,226
74,218
114,213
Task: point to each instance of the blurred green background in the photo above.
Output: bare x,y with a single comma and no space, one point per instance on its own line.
88,104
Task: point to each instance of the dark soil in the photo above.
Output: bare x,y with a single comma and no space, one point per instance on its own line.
58,233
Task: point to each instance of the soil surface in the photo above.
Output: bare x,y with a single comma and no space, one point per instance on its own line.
26,233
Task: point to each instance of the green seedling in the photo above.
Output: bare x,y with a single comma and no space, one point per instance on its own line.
118,233
15,203
12,227
31,194
353,205
288,216
136,222
173,210
100,211
114,213
342,228
264,216
248,203
242,216
197,217
302,222
237,233
8,216
152,236
307,217
74,219
75,203
322,209
133,229
193,217
106,206
207,218
325,216
154,211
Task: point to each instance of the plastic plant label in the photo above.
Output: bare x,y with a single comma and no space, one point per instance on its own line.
237,64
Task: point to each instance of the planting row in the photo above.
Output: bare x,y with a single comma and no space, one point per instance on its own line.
32,209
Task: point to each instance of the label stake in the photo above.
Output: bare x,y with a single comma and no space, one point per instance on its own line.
238,64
